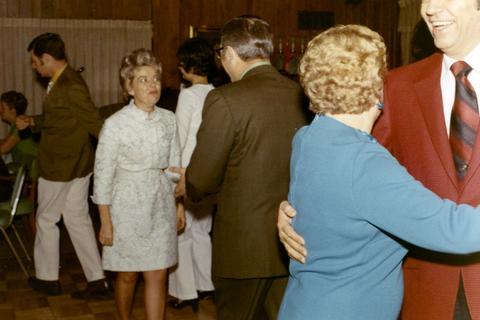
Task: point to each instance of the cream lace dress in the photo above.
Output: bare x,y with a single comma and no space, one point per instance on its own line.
134,149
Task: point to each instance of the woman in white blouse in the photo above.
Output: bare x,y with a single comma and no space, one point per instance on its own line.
131,188
192,276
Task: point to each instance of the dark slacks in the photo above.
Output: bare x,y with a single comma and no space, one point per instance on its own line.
248,299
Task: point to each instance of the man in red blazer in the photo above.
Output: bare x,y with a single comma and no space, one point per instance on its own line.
415,128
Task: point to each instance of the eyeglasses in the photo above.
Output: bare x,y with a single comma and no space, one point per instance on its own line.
145,81
218,51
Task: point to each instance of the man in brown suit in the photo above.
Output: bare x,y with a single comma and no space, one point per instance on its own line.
242,153
65,161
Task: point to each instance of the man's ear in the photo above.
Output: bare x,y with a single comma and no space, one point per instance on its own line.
46,58
230,54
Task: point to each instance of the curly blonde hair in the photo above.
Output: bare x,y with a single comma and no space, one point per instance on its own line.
343,69
136,59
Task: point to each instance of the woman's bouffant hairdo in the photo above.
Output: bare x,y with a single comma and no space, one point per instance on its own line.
137,58
343,70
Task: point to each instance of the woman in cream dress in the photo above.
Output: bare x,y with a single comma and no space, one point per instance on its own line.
132,190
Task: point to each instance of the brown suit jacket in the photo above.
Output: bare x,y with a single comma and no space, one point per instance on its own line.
243,154
69,117
413,128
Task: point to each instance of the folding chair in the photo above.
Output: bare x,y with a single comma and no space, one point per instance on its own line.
17,206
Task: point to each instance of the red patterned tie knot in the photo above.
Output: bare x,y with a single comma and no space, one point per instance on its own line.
460,69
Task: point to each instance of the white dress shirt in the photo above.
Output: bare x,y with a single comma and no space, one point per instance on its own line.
447,81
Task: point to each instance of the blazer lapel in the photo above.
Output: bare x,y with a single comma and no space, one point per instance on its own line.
475,161
427,88
54,91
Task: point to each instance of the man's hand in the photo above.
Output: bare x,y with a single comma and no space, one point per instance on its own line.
293,242
23,121
180,189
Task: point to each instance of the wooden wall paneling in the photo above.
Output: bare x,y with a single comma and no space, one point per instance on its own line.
3,8
34,10
211,12
165,17
280,15
203,12
385,24
103,9
48,9
131,10
119,8
77,9
13,8
234,9
10,7
21,8
143,10
72,9
381,16
172,18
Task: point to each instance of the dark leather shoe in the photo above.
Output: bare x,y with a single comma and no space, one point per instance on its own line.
95,290
180,304
51,288
205,295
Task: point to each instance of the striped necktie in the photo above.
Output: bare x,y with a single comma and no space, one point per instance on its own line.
465,119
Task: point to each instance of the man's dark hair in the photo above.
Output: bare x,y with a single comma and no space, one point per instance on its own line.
49,43
197,55
250,37
14,99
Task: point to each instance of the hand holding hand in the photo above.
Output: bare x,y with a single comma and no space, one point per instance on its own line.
292,241
180,189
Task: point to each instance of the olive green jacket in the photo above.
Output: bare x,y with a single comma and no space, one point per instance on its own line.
69,118
243,154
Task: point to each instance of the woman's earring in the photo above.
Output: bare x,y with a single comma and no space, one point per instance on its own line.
380,106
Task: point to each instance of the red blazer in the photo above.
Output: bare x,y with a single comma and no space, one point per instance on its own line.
413,128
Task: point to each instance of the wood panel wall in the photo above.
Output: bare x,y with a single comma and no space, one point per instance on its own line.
77,9
171,18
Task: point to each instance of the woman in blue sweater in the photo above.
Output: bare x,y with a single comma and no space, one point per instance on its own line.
356,205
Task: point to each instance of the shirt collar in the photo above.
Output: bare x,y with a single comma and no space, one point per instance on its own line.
57,74
473,59
143,116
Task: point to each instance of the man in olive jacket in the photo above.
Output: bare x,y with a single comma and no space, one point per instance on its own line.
65,160
242,153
